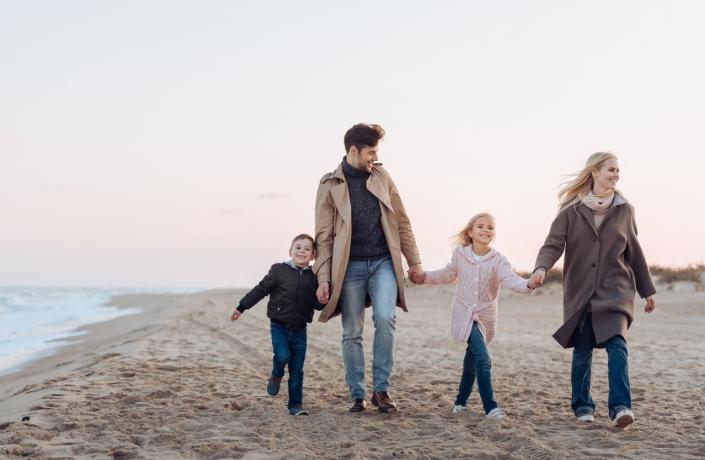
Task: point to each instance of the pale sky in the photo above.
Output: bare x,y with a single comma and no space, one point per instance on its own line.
165,143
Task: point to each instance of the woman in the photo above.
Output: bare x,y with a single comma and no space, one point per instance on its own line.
603,265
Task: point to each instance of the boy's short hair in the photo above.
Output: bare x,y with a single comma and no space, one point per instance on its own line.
363,135
303,236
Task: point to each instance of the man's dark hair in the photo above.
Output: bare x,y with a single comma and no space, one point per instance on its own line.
363,135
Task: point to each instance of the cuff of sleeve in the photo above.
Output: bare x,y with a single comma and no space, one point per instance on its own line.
241,308
539,268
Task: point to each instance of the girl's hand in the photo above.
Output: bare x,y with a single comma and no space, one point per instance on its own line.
536,279
650,304
236,314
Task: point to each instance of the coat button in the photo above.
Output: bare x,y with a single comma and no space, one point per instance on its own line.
593,265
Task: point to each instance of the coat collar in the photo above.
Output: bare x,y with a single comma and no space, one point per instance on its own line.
339,191
291,264
586,212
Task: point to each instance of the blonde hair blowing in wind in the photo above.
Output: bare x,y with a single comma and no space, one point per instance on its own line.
462,238
581,183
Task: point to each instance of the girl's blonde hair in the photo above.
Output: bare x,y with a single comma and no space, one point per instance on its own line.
582,182
462,238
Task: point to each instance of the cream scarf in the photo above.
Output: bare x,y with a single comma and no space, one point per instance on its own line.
599,205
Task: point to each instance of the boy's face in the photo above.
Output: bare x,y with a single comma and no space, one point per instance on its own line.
301,252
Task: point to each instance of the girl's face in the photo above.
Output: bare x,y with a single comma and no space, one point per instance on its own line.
608,175
482,231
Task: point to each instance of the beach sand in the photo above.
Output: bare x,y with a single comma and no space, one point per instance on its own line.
181,381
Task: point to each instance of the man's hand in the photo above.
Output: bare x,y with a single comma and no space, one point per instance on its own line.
536,279
236,314
323,292
650,304
416,273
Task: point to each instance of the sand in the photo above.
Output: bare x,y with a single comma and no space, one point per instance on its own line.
181,381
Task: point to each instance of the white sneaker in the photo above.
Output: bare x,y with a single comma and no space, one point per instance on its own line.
623,419
496,413
586,418
458,408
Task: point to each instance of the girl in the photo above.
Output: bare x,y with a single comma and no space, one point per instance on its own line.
478,270
603,265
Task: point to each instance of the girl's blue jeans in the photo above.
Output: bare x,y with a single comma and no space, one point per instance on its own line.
477,364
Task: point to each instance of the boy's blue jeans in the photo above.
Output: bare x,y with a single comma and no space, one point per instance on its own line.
477,363
289,347
617,372
376,278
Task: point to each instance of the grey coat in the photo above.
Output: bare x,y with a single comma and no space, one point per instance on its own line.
602,268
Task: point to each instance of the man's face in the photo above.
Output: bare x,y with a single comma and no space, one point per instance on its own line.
363,159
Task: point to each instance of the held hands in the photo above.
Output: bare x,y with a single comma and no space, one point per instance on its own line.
236,314
536,279
323,292
416,274
650,304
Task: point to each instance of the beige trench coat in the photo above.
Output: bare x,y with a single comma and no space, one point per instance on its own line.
333,232
602,267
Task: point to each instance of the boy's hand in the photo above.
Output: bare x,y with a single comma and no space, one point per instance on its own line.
322,292
650,304
236,314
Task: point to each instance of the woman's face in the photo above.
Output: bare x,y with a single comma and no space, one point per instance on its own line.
608,175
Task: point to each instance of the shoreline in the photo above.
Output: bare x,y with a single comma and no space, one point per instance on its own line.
78,351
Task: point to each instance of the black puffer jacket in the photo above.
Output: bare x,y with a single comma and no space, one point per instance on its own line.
292,295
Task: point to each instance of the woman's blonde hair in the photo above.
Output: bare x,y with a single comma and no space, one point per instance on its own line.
582,182
462,238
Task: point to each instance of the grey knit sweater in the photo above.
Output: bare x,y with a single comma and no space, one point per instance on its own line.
368,241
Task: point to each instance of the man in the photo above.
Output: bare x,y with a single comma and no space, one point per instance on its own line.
361,231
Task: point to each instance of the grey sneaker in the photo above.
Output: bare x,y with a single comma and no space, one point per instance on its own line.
496,413
458,408
585,415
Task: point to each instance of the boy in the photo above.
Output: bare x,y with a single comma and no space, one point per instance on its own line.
291,287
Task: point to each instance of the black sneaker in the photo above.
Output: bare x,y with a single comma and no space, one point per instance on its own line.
273,385
298,410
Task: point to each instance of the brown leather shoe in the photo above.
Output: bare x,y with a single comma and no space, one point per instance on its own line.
381,400
359,405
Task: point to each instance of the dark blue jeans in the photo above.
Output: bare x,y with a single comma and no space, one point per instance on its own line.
617,372
477,363
289,348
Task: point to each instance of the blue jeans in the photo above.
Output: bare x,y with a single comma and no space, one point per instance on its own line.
477,363
289,348
617,372
377,279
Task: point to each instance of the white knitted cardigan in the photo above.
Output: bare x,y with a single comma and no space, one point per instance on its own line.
476,291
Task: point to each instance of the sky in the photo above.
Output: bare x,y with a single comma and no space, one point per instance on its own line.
180,144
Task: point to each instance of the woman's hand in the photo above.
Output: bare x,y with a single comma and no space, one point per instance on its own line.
536,279
650,304
236,314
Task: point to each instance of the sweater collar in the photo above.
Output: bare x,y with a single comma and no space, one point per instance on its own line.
350,171
467,255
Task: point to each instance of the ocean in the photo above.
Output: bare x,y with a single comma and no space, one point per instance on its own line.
35,321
